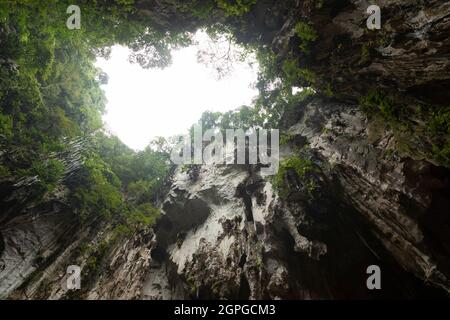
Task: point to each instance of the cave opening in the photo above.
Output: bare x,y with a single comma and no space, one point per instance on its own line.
143,104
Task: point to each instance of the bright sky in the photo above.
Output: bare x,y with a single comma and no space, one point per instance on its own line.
144,103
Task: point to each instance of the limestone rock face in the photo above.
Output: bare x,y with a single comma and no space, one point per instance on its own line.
126,269
226,233
26,242
408,54
34,232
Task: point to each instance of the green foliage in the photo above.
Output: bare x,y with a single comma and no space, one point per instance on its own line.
439,127
275,82
365,53
296,75
98,192
286,138
328,91
434,135
50,92
440,121
90,266
121,184
235,7
441,153
138,189
6,125
144,215
4,171
192,287
136,218
376,102
49,173
306,33
93,263
319,4
245,117
302,167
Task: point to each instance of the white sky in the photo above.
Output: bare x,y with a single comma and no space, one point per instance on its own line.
144,103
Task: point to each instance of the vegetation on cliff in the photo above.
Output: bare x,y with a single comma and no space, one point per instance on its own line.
50,90
50,94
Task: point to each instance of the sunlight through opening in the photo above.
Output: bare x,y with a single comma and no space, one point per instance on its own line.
146,103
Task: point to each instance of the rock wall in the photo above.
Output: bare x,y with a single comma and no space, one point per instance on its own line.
33,230
226,234
408,54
